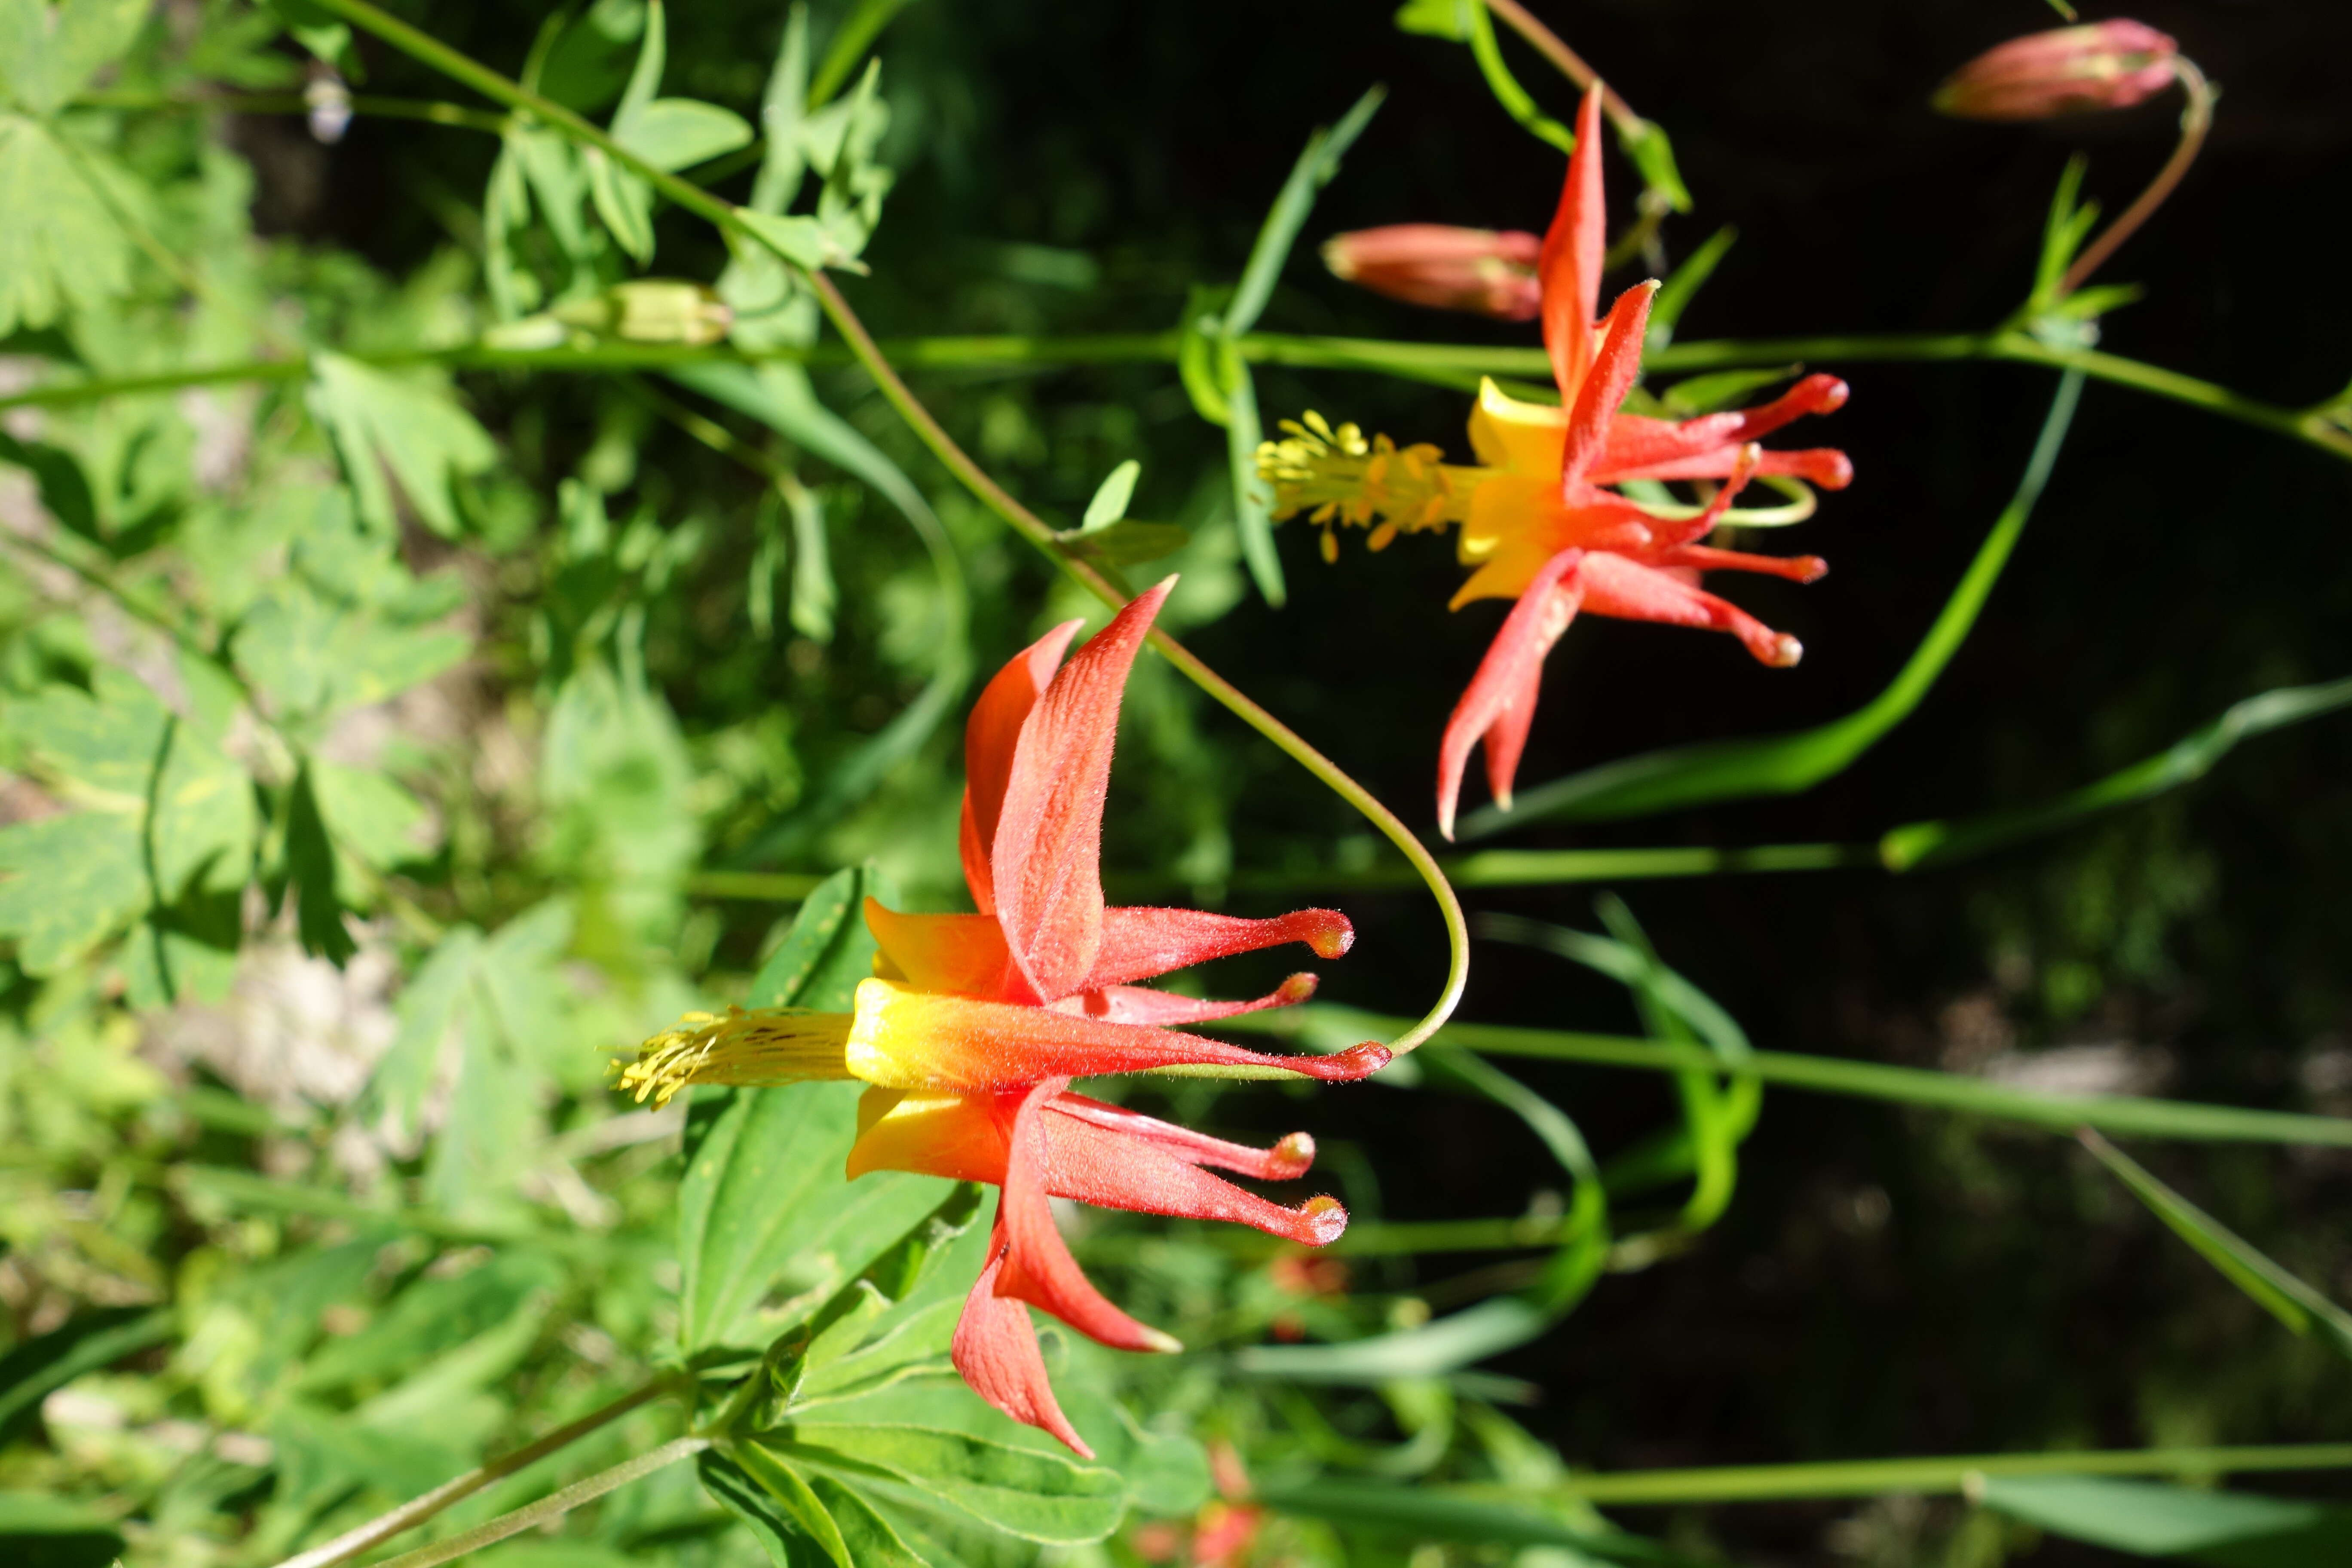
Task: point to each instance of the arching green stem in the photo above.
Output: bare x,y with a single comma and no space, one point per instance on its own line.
431,51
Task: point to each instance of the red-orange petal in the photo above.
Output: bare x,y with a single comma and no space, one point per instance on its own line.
1614,585
1038,1268
1287,1161
995,1350
1615,366
1638,447
904,1038
1115,1168
964,954
990,738
1142,1004
1045,858
1570,262
1499,702
1139,944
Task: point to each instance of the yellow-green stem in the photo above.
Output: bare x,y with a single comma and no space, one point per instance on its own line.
429,50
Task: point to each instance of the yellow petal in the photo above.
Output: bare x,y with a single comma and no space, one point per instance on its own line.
1520,437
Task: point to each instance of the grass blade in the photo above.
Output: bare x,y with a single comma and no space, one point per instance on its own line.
1919,844
2279,1293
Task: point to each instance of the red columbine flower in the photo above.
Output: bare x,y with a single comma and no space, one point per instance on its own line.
2066,71
1540,524
974,1024
1489,272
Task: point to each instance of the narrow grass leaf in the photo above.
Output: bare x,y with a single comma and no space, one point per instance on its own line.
1923,844
2280,1293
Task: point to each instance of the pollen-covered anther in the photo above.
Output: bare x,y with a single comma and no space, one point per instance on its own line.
759,1046
1335,477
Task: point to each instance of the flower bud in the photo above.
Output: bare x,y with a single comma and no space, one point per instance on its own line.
2101,64
652,310
1492,272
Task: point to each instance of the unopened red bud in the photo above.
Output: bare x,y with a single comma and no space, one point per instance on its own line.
1490,271
2067,71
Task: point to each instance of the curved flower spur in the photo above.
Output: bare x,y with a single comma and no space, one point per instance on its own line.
1540,521
973,1025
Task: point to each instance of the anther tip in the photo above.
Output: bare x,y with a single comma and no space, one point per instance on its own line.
1293,1156
1327,1220
1331,935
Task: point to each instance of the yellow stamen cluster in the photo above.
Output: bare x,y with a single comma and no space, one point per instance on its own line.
1336,477
762,1046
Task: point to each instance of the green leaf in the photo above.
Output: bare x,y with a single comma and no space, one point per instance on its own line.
368,813
71,882
104,742
62,247
313,658
1683,776
1316,166
379,421
1683,284
1039,1495
2184,762
787,1544
41,1530
2279,1293
764,1201
797,1508
1478,30
2233,1530
429,1005
319,31
869,1539
202,818
431,1317
677,132
622,200
782,105
850,40
1111,497
85,1342
588,62
48,54
1128,542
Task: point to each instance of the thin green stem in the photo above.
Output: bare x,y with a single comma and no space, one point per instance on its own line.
1960,1473
417,1510
450,62
554,1506
1445,364
1568,63
1036,530
2126,1115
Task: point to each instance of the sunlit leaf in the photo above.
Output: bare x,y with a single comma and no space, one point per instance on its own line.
2229,1530
387,430
48,53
